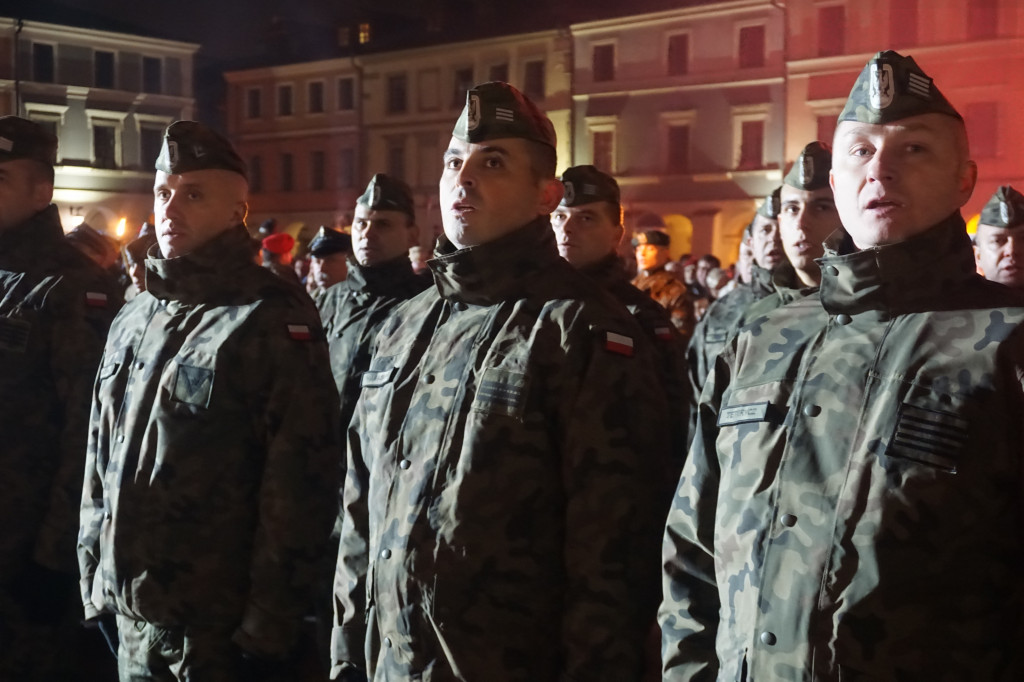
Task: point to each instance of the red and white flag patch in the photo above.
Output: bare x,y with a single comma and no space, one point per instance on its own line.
618,343
96,299
299,332
663,333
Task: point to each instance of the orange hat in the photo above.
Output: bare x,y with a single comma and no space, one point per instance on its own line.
279,243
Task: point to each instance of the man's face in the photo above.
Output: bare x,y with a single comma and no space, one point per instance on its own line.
999,253
194,207
488,190
328,270
894,181
585,233
380,236
744,261
766,243
24,191
807,218
651,257
703,268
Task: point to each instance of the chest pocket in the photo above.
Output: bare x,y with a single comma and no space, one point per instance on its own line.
929,436
381,373
501,391
192,383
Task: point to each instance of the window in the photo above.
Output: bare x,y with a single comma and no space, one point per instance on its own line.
152,75
255,175
104,144
831,30
253,103
287,173
317,165
347,169
603,62
397,103
903,23
982,19
315,94
103,69
982,120
498,72
751,156
284,100
533,79
365,34
679,54
346,94
462,83
43,63
826,127
604,150
396,159
751,48
151,139
678,147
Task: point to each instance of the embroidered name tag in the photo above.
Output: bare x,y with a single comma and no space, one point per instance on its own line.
14,335
376,378
743,414
193,385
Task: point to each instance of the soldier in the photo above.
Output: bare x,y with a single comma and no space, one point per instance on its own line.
328,259
211,471
651,256
851,506
275,250
55,308
999,243
808,215
588,228
505,447
134,254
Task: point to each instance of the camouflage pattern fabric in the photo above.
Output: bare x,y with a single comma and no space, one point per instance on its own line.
211,475
55,308
851,508
663,287
668,343
503,485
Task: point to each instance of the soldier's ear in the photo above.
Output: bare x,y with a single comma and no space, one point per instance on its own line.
241,212
551,196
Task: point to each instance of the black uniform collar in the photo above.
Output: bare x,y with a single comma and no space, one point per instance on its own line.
607,271
896,278
391,277
32,239
498,270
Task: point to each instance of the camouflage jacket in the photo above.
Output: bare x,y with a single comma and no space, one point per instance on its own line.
211,473
663,287
502,490
668,343
353,311
55,308
851,508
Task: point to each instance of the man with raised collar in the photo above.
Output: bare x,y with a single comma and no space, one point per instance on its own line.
851,506
999,241
504,454
55,308
211,471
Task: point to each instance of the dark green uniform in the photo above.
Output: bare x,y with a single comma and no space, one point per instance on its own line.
851,508
211,475
502,492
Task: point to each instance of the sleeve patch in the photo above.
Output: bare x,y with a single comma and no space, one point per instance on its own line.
618,343
96,299
299,332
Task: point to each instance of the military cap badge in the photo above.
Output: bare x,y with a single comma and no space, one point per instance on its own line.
1004,209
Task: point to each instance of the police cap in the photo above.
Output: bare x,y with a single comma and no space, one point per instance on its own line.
328,241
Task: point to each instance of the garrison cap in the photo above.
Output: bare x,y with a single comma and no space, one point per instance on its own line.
496,110
135,251
279,243
21,138
385,193
1004,209
191,146
772,204
810,170
892,87
586,185
328,241
652,237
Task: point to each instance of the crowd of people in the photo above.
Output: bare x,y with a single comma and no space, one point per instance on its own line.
527,462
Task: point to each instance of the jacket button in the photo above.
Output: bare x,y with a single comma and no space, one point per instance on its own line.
788,520
811,410
428,378
140,365
385,554
832,270
387,642
843,318
120,438
338,334
405,464
768,638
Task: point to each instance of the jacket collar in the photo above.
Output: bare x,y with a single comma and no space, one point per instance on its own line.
607,271
384,279
214,270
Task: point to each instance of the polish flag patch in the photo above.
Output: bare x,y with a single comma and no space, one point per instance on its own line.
299,332
618,343
96,299
663,333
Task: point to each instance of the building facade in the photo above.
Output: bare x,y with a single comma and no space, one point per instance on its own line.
108,97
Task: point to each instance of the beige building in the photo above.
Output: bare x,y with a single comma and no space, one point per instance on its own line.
108,97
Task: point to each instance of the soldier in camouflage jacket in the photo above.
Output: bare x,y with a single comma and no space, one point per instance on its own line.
852,505
506,446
